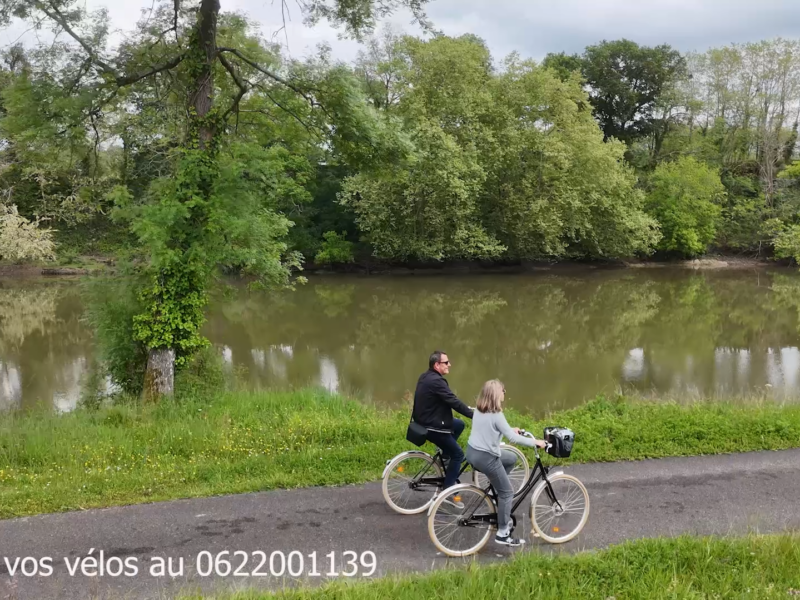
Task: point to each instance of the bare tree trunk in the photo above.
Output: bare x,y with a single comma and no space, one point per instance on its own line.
159,378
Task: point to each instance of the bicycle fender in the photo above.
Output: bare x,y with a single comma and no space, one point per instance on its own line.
419,453
542,483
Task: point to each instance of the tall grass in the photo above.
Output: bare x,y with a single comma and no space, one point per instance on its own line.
756,568
239,442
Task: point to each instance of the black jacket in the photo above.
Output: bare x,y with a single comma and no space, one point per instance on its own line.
434,402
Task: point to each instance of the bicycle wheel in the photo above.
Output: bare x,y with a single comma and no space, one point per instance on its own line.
560,518
449,520
518,476
403,489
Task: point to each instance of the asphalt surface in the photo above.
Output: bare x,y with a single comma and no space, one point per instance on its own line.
729,494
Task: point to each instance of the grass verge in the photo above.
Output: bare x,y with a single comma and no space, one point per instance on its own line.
242,442
759,567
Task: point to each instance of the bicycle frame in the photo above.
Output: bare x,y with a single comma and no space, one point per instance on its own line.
437,480
538,473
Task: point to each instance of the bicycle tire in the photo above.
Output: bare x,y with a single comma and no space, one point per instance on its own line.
393,499
569,504
436,517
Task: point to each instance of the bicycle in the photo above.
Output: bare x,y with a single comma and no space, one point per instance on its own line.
471,511
411,480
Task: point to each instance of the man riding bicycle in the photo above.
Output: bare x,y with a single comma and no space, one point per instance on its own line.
434,404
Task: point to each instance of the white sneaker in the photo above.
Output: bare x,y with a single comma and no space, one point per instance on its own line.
507,540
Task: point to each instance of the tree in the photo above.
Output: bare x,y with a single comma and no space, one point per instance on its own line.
563,65
625,83
21,239
335,249
685,198
206,212
741,108
429,208
505,165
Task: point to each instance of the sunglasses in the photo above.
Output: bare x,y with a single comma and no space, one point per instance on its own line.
444,362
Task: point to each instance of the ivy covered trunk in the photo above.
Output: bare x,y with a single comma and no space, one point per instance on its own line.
174,304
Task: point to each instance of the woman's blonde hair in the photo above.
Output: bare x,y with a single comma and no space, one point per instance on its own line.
491,397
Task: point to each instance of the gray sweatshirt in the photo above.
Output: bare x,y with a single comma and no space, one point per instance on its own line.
489,428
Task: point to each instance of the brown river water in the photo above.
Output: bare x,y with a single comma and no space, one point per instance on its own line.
554,339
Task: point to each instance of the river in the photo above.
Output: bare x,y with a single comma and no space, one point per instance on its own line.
555,339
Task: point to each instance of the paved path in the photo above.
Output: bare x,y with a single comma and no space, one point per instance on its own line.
716,494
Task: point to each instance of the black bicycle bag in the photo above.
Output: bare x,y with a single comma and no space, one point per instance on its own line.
416,434
560,440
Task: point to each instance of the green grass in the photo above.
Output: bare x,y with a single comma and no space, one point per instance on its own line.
755,568
242,442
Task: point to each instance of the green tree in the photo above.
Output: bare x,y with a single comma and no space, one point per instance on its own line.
429,208
508,164
685,198
554,187
625,83
21,239
335,249
207,211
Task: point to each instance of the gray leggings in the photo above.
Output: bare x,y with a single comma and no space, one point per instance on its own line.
496,469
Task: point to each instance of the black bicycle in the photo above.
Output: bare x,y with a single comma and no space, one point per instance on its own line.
411,480
461,519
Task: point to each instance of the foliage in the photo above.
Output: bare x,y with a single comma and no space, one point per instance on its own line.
685,198
787,243
335,249
21,239
625,81
433,151
111,305
198,195
202,377
504,165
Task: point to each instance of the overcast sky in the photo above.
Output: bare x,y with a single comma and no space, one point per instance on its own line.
531,27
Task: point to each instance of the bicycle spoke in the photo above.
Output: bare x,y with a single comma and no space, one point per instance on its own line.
559,509
449,524
401,486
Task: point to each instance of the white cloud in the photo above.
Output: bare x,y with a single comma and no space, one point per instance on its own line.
531,27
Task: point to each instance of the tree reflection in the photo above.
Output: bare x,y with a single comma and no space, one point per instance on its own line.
44,346
554,339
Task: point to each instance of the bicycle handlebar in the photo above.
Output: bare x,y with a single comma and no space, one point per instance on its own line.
528,434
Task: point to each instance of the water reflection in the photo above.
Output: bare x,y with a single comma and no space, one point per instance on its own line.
555,340
10,386
44,345
328,375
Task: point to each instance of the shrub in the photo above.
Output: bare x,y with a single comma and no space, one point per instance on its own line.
335,249
685,198
21,239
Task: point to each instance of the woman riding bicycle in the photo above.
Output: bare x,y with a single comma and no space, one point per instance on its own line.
489,425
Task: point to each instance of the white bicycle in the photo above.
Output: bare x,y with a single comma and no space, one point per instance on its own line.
411,480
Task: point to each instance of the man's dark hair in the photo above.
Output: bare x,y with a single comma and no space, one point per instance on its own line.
436,356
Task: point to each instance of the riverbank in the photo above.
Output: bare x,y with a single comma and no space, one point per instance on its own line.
242,442
757,567
93,265
710,262
86,265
